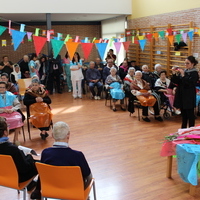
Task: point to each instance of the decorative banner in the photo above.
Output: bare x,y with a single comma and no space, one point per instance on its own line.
132,39
128,33
44,32
86,40
162,34
22,26
93,40
76,39
181,31
48,35
191,34
142,44
196,30
110,42
126,45
59,36
29,34
149,36
118,46
171,39
174,33
136,41
71,48
37,31
2,29
3,43
184,36
141,37
9,26
178,37
17,38
155,35
169,30
101,47
56,46
100,40
96,41
87,48
39,43
67,38
51,32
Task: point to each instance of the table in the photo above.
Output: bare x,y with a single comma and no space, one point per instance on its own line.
188,155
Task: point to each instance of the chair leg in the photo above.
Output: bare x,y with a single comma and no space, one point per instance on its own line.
28,125
94,191
24,194
23,133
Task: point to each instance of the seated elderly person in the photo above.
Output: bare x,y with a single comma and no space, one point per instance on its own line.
140,88
9,105
93,78
148,76
114,83
10,86
62,155
37,102
106,69
25,164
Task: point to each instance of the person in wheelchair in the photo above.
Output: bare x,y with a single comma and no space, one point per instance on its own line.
166,91
114,83
141,89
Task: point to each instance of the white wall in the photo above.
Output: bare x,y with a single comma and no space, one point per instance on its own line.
68,6
114,28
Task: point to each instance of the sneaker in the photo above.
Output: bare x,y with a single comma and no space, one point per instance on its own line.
146,119
177,112
95,97
69,90
98,97
43,136
159,119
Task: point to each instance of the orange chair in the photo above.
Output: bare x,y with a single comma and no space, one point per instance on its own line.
9,175
63,182
23,85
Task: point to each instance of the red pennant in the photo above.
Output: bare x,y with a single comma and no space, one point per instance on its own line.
136,41
169,30
39,43
87,47
126,45
149,36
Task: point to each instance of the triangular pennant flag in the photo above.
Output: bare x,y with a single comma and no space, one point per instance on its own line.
101,47
56,46
178,38
71,47
141,37
184,36
136,41
87,48
162,34
39,43
155,35
133,38
199,32
96,41
17,38
142,44
2,29
126,45
117,46
191,33
149,36
169,30
171,39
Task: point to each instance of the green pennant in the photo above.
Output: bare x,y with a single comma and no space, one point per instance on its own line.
56,46
178,37
162,34
2,29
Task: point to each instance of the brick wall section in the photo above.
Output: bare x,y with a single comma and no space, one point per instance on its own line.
174,18
83,31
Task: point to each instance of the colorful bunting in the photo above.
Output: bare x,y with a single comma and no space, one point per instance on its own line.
29,34
184,36
17,37
67,38
3,43
9,26
37,31
178,37
118,46
149,36
162,34
56,46
76,39
141,37
169,30
48,35
2,29
142,44
87,47
71,48
155,35
22,26
171,39
93,40
126,45
39,43
191,34
101,47
86,40
44,32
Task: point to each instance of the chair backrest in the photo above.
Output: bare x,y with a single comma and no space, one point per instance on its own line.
61,182
8,172
23,85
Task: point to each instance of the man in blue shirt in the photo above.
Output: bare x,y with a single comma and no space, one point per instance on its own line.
93,77
62,155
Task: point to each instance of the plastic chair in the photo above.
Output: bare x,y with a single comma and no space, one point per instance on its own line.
23,85
63,182
9,175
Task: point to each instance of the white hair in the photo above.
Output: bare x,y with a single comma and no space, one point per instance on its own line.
157,65
113,68
92,62
138,72
145,66
131,68
60,130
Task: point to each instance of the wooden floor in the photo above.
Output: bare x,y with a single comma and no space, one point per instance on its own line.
123,153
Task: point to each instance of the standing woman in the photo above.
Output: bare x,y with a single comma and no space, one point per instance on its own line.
32,65
67,71
76,75
185,97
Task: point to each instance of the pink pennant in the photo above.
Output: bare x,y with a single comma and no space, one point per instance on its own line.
184,36
117,46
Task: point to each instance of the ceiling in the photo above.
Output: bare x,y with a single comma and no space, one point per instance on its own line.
61,17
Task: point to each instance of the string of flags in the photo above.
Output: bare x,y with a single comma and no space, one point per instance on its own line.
40,37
